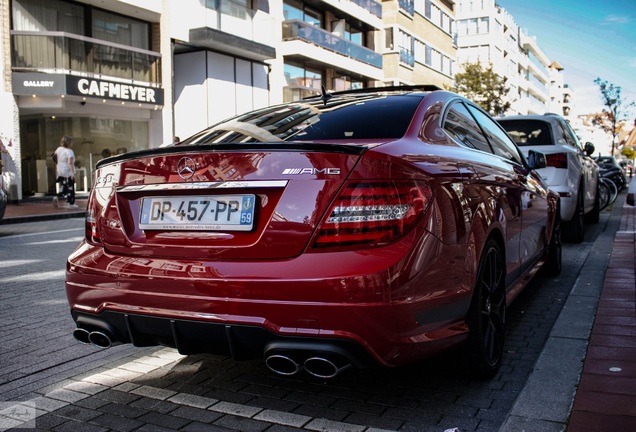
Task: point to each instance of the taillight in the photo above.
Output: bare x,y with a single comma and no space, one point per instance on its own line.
557,160
373,213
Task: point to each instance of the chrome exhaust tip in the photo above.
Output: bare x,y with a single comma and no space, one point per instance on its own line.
321,367
81,335
282,364
100,339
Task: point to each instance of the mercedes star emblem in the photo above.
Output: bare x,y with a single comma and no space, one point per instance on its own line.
186,167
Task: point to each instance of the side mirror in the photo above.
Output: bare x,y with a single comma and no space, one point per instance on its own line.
536,160
589,148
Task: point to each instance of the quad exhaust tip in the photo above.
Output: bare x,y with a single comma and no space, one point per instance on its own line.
282,364
320,367
97,338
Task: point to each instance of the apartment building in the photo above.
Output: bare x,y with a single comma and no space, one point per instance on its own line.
124,75
488,34
420,45
330,43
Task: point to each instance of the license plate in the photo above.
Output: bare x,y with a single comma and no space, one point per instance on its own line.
198,213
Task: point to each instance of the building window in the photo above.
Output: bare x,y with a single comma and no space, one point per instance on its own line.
301,82
120,29
48,15
345,82
297,10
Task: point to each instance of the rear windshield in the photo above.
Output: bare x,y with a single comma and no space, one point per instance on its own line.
528,132
359,118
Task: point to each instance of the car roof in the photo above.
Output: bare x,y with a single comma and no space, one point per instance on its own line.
540,117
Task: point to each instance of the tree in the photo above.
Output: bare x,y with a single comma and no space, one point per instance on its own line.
484,87
614,109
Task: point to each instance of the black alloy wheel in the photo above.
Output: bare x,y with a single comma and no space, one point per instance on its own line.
487,314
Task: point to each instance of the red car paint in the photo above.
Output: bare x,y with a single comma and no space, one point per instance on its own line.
297,286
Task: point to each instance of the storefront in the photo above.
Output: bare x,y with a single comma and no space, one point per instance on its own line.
86,72
103,117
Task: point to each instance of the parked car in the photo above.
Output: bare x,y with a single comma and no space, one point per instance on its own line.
362,228
571,171
610,169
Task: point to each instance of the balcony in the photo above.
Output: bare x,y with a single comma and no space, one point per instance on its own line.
407,57
408,6
299,30
61,52
371,5
234,28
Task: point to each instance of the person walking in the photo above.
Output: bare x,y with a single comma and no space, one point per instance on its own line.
65,164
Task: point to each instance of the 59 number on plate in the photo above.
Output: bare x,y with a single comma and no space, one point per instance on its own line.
202,213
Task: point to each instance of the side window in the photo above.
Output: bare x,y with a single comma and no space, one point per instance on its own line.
570,136
461,126
502,145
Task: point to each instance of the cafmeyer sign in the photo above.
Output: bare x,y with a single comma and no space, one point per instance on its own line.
91,87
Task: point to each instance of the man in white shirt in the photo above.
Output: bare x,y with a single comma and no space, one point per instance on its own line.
65,164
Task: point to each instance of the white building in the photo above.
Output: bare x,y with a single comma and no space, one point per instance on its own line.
488,34
124,75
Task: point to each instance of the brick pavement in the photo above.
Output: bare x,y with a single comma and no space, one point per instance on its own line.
130,396
606,396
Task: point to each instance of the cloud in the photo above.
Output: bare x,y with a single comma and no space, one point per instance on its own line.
616,19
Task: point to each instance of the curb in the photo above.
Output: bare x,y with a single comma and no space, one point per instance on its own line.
40,218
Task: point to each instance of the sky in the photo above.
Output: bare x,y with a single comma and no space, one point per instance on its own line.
589,39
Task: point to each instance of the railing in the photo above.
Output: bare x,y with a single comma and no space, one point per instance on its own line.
408,6
63,52
406,56
296,29
371,5
239,20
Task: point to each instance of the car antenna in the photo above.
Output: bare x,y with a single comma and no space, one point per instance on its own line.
325,96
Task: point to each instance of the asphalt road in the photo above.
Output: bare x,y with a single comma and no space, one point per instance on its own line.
68,386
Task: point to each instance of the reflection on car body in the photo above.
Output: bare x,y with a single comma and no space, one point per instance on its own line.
388,225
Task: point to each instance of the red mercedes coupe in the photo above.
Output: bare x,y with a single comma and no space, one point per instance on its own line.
361,228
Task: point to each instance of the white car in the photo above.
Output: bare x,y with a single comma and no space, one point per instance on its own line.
570,169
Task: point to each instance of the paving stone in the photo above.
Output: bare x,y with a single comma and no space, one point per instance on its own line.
235,409
164,420
283,418
192,400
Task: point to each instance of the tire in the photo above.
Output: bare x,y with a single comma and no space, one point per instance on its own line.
554,258
487,314
594,216
574,230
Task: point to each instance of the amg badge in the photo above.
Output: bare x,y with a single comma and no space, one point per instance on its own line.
312,171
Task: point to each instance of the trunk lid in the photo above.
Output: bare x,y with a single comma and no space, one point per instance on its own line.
216,202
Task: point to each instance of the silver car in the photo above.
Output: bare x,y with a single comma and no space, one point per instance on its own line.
571,171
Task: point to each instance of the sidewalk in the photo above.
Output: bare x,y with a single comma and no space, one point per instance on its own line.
33,209
605,398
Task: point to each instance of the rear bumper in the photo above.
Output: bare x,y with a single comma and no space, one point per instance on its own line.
241,342
375,307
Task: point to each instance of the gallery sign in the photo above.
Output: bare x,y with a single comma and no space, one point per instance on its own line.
38,84
41,84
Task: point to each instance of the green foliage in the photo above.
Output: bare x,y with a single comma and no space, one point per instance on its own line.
484,87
